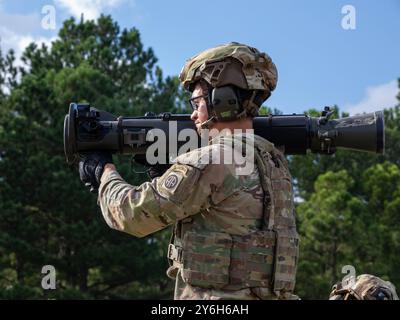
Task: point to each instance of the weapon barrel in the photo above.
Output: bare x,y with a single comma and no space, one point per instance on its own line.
89,129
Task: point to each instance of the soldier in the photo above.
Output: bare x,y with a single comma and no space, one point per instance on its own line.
364,287
235,235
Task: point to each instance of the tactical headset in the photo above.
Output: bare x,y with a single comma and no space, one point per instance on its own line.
226,103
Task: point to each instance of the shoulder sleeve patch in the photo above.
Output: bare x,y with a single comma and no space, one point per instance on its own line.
172,181
178,182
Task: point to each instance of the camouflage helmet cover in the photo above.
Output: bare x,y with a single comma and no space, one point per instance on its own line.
231,64
364,287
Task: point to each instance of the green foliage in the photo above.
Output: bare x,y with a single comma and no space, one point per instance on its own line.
348,213
348,204
46,216
329,232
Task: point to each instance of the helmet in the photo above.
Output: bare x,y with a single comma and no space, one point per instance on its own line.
364,287
234,65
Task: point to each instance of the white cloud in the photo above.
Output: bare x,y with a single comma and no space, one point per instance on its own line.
21,23
91,9
17,31
18,42
375,98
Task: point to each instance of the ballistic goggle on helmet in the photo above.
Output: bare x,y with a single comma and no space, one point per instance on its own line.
364,287
240,77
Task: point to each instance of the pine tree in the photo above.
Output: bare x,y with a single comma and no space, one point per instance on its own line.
47,217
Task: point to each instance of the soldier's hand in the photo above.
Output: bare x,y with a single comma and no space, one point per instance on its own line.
91,167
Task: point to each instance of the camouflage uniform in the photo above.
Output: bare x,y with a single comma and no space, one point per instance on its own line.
235,236
364,287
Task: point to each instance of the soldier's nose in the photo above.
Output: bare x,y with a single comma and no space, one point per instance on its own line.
194,115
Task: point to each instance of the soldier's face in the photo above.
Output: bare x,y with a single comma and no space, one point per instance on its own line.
200,113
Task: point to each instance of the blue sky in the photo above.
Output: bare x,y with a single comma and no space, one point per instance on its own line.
319,62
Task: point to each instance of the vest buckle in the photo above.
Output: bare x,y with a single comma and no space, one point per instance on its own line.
174,252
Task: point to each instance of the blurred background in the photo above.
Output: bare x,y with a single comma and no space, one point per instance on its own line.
124,56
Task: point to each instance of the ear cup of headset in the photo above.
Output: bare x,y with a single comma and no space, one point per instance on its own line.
225,103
